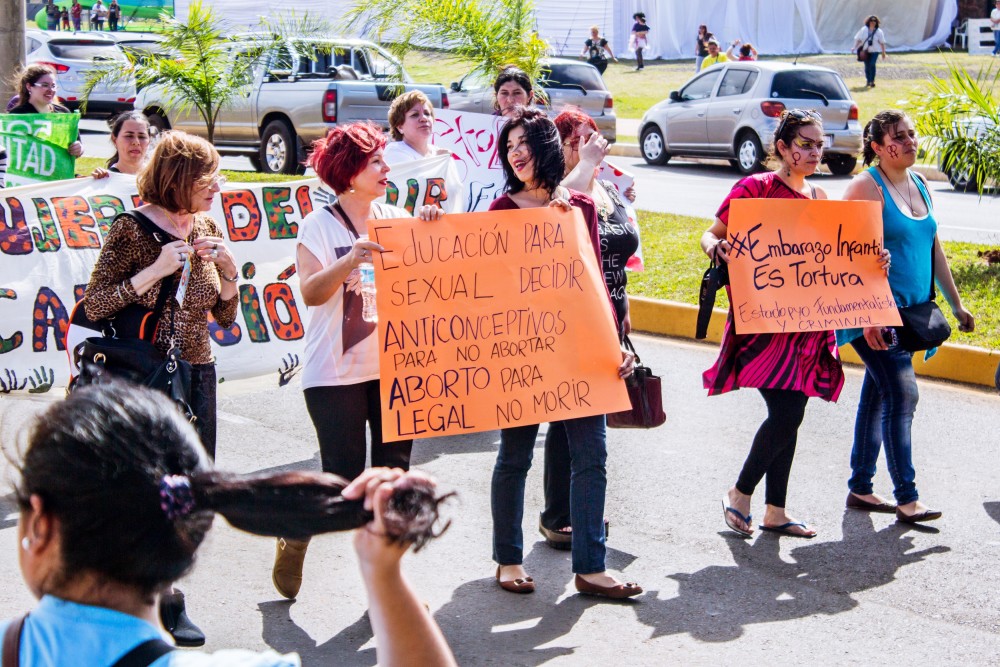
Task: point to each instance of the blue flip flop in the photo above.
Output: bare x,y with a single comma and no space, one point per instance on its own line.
783,529
727,510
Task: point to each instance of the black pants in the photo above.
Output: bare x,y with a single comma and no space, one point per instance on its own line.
203,387
774,445
600,63
339,415
113,23
638,58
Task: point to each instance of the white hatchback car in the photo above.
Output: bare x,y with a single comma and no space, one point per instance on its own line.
71,54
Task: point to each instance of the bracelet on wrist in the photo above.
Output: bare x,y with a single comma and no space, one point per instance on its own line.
234,279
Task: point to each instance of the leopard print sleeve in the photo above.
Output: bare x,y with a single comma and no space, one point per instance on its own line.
224,312
110,288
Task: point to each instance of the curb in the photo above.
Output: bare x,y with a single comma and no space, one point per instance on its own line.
632,150
958,363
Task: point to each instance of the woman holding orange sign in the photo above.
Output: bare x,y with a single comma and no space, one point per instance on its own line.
786,368
532,157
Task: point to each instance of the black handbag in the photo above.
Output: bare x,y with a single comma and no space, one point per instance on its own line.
716,277
924,325
124,349
645,393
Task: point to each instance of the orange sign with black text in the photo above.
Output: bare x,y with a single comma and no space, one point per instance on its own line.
490,320
807,265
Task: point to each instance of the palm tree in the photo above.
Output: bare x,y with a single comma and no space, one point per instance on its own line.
960,120
201,72
486,33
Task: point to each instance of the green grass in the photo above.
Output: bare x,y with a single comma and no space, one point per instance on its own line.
86,165
901,77
675,263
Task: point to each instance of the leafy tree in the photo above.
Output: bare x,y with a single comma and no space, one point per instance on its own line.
486,33
201,72
959,116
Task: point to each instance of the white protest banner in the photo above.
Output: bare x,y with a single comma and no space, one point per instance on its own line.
50,237
472,137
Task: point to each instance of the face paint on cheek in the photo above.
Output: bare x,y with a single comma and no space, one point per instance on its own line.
893,151
796,156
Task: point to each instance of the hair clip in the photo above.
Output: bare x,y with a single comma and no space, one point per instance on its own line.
176,497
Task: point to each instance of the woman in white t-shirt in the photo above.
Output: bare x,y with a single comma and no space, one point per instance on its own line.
340,375
411,124
868,42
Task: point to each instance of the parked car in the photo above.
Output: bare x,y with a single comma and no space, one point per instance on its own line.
961,175
566,82
71,54
294,100
731,111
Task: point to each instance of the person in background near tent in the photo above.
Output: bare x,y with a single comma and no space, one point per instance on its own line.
747,52
870,40
995,25
75,12
596,49
51,15
715,54
64,17
114,13
639,38
97,15
701,46
889,392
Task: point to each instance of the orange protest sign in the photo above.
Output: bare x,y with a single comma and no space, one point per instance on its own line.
807,265
490,320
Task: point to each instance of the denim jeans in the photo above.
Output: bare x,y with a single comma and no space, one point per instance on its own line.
870,67
996,42
885,415
588,481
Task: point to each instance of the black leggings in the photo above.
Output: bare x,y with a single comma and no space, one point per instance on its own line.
203,389
774,445
339,415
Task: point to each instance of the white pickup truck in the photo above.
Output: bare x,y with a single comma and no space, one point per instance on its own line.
294,100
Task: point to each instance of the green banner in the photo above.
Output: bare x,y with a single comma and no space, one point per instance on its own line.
37,146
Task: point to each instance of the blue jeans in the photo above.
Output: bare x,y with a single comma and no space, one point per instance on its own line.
996,42
870,67
885,415
588,481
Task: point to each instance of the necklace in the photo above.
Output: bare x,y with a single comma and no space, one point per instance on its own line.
907,198
177,228
601,200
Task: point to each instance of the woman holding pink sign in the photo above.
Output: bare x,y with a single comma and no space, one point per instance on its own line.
786,368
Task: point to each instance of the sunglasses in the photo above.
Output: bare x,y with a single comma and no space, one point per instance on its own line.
800,117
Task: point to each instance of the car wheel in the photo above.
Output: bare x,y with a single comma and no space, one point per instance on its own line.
749,154
279,150
653,146
963,180
158,121
842,165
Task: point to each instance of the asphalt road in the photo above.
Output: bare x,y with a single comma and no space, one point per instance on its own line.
866,591
697,188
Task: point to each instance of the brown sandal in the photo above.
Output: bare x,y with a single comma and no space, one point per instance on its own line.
526,585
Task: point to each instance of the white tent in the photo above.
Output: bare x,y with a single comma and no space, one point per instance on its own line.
783,27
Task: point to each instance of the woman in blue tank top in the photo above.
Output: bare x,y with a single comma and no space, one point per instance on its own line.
889,391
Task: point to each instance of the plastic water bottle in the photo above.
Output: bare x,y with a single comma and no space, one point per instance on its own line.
367,271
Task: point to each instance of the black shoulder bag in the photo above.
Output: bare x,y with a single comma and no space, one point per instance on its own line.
716,277
924,325
125,349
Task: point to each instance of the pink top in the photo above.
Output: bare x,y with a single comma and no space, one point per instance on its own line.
804,361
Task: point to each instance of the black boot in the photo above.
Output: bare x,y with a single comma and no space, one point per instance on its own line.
175,620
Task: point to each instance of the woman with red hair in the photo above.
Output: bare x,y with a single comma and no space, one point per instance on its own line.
340,375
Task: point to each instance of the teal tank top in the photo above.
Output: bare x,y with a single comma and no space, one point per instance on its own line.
911,241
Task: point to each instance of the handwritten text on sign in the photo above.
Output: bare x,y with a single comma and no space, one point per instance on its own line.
490,320
807,265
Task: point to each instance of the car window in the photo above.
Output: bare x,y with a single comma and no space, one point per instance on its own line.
751,80
360,63
701,87
734,82
85,50
382,66
33,45
560,75
800,84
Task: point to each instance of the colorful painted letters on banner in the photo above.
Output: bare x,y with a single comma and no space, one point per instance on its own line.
37,146
807,265
490,320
